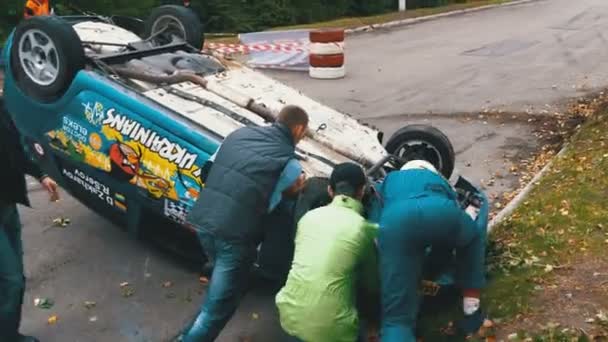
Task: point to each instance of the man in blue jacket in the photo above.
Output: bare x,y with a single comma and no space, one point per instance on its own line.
250,165
420,210
12,281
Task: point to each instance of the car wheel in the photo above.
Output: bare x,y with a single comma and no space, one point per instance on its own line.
46,55
169,24
314,195
426,143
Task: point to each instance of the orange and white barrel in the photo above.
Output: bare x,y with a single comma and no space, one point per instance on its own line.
327,54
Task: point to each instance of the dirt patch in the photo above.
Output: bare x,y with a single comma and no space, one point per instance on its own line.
576,298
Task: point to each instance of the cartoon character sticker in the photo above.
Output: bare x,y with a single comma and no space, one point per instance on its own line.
95,141
94,113
130,151
124,162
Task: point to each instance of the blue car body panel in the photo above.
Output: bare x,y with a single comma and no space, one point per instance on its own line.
114,149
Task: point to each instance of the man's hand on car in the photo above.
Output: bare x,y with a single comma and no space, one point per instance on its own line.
296,187
51,187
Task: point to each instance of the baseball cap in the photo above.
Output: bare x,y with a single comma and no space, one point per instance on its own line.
347,176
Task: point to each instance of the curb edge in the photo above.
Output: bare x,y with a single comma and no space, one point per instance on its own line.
523,193
412,21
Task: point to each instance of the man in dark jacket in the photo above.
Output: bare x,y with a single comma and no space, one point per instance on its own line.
14,191
239,191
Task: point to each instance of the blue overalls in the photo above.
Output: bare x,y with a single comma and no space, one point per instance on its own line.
419,210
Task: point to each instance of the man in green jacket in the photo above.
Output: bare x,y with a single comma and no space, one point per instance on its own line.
334,258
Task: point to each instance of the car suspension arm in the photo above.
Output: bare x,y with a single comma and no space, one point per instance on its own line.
180,76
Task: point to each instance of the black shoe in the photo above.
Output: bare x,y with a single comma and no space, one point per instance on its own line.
23,338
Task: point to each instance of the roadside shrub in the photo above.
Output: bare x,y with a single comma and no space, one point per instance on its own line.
228,15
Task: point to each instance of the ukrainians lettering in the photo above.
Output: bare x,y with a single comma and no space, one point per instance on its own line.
168,150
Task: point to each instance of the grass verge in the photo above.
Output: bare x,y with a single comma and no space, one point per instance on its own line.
548,272
354,22
561,226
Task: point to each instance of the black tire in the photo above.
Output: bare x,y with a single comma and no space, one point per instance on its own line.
69,56
436,148
190,27
313,196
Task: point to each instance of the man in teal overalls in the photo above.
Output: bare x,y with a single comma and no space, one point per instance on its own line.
419,209
12,282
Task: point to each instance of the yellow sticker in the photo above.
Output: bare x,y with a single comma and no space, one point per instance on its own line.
95,141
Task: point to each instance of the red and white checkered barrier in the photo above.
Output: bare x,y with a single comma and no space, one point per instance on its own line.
320,52
230,49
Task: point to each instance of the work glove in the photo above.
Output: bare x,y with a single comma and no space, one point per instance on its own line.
475,325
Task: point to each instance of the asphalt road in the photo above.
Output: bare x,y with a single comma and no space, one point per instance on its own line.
515,58
89,260
505,59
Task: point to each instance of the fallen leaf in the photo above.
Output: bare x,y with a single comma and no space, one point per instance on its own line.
52,320
61,222
43,303
127,290
89,304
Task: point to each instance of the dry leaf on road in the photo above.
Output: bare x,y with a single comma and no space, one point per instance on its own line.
52,320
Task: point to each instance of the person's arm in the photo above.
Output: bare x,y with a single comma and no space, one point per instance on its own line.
368,281
206,168
369,277
30,166
290,183
33,169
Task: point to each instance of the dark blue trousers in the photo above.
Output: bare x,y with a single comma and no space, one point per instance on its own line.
229,281
12,281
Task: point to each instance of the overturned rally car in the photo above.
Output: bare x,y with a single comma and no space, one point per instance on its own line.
125,122
124,114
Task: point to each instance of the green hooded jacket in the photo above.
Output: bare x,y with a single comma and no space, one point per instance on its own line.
334,257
